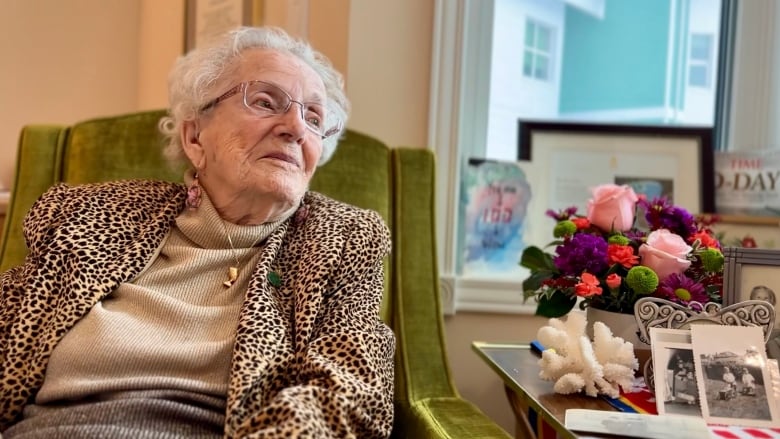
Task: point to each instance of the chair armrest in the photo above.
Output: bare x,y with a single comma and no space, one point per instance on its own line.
444,418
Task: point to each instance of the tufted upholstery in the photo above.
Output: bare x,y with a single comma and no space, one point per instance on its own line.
398,183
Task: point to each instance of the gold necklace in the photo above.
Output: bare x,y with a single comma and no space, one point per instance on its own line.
233,270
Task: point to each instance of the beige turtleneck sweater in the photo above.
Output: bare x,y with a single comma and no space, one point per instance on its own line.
171,328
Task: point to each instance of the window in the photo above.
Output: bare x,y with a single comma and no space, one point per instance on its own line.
700,60
536,55
607,61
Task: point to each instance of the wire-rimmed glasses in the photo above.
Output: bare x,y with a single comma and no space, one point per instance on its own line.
264,99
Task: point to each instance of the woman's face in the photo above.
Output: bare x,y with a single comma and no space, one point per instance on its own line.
256,168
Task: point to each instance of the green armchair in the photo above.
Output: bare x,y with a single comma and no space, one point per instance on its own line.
398,183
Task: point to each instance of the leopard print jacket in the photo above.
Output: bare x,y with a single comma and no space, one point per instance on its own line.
311,359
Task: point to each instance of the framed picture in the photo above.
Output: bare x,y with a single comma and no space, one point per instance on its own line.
676,162
496,209
744,183
753,274
208,18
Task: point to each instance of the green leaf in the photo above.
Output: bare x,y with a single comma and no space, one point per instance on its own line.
534,281
556,305
534,258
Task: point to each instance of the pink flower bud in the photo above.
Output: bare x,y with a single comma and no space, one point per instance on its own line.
613,280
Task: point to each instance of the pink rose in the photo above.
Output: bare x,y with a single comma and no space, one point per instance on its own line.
612,207
665,253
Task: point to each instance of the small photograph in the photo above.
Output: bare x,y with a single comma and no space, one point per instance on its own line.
676,386
733,376
649,187
761,291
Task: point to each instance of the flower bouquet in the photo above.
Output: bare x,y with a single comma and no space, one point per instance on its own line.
625,248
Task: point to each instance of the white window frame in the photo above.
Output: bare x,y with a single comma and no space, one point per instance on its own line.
455,86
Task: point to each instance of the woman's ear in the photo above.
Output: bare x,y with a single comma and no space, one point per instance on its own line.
190,142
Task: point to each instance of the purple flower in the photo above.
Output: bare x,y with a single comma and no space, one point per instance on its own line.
583,252
660,214
681,289
562,214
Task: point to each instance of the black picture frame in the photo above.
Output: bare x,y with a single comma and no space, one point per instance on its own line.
532,132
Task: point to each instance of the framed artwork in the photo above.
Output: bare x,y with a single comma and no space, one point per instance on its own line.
745,183
497,202
207,18
676,162
753,274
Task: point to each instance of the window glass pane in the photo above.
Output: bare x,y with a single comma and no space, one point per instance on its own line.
697,76
605,61
541,71
528,63
700,47
530,30
543,42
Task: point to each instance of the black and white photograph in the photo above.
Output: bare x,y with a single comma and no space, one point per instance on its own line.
732,374
676,388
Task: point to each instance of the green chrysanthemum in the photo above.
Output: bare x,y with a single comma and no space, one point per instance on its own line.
712,260
642,280
564,228
619,239
683,294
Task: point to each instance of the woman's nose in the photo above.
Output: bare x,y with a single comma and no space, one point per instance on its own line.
294,117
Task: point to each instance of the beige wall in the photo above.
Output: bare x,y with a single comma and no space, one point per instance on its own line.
76,65
160,41
64,61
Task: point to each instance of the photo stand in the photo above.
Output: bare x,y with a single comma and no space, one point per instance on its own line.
653,312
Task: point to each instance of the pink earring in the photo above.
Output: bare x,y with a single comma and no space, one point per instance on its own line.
193,194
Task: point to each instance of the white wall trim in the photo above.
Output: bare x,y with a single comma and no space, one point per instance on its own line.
442,136
495,296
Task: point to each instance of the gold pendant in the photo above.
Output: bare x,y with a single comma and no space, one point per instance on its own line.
232,276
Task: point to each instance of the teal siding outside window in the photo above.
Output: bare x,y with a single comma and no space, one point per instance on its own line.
617,62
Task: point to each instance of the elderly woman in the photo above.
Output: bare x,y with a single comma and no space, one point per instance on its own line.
236,305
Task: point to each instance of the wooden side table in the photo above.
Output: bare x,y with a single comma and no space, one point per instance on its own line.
532,399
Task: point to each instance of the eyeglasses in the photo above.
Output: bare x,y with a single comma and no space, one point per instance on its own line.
263,99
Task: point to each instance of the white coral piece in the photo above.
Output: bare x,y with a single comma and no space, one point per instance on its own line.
576,364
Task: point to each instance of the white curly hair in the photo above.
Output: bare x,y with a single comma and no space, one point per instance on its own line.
191,81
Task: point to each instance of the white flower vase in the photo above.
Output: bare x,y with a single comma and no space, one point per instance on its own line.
623,326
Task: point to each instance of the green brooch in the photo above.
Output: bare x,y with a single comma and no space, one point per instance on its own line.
274,279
